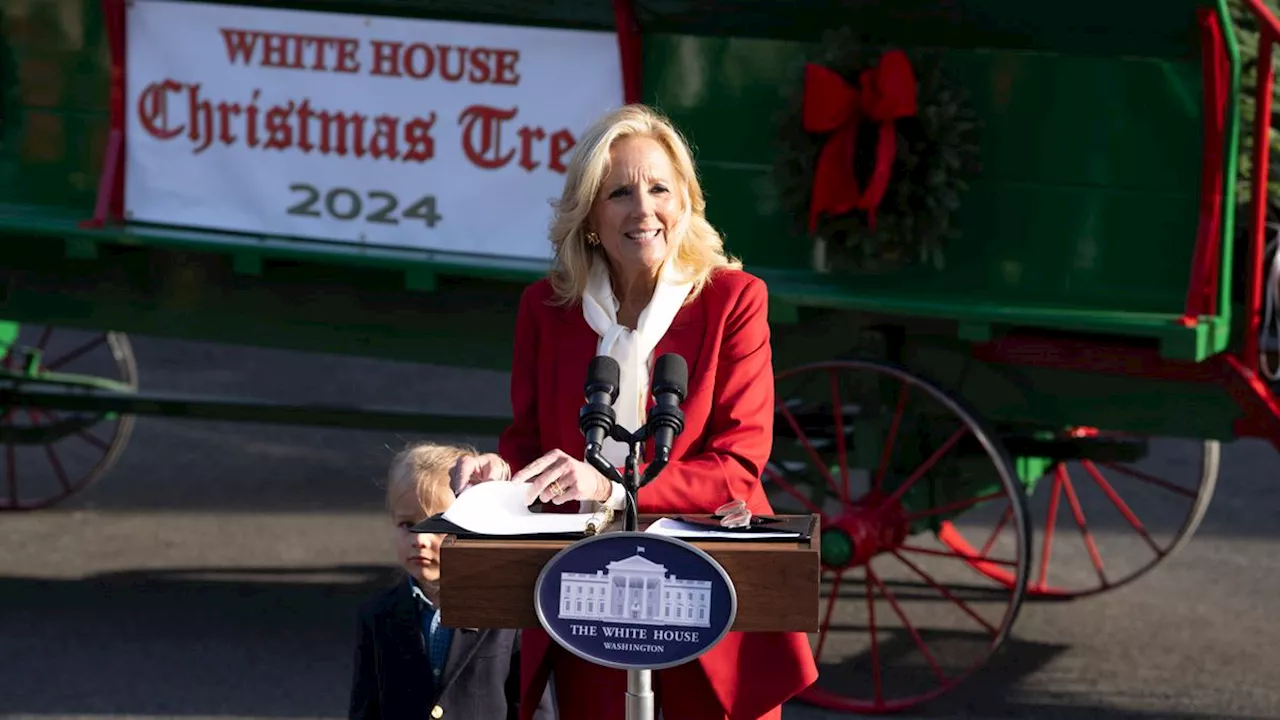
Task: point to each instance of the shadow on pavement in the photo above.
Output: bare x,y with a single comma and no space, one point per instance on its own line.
179,642
277,642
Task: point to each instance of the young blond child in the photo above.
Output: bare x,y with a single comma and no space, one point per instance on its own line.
407,665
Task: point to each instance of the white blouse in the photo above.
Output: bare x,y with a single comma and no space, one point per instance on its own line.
633,349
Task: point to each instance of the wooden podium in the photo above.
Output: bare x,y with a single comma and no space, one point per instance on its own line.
489,582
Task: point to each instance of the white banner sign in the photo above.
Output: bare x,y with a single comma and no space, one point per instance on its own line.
386,131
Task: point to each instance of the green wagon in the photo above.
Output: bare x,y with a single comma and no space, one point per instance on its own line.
1017,255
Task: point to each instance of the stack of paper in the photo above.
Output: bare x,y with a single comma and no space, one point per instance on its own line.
676,528
498,508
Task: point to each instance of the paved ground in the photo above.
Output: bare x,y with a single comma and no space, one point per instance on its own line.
214,574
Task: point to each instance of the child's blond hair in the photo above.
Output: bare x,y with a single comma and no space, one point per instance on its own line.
424,467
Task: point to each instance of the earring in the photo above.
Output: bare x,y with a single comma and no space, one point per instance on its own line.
593,239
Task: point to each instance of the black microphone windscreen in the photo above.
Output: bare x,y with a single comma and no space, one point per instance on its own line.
604,370
671,374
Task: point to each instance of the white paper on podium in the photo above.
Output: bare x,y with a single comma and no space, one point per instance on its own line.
675,528
498,508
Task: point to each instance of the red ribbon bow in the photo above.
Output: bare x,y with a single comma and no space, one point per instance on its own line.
884,94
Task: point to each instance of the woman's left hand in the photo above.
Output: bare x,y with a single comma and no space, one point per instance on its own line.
558,478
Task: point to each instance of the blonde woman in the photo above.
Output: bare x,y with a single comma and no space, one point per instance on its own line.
639,272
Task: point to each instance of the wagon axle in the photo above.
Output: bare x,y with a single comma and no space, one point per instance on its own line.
868,528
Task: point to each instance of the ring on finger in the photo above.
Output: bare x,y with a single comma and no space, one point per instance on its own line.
556,490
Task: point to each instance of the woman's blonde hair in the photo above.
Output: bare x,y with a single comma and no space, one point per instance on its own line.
697,247
423,468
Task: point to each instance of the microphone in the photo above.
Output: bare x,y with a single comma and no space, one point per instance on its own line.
597,418
670,381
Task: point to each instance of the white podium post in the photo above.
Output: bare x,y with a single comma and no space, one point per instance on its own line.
639,695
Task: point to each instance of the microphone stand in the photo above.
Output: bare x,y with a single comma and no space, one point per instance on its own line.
639,682
630,478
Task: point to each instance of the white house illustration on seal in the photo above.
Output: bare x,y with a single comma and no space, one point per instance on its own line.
635,590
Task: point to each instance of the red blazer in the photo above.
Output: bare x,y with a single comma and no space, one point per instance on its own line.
723,335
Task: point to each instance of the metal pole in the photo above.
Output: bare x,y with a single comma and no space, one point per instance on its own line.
639,695
639,682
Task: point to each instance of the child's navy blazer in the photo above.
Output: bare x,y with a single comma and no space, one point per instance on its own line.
393,679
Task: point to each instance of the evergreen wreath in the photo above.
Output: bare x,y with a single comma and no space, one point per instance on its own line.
937,151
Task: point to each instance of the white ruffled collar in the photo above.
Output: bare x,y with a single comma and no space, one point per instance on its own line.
633,349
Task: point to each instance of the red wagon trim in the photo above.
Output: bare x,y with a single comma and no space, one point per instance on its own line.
629,49
1202,290
110,198
1268,35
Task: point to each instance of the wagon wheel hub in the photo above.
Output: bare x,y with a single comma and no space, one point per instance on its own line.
863,531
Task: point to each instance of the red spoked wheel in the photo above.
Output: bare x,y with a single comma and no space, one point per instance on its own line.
1111,507
887,458
47,456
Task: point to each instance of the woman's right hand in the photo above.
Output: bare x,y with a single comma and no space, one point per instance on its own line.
473,469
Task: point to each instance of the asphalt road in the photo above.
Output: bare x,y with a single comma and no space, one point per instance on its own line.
215,571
